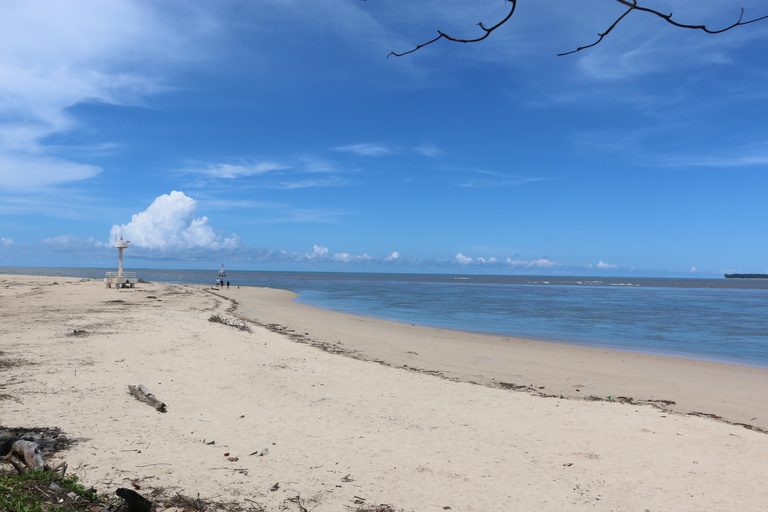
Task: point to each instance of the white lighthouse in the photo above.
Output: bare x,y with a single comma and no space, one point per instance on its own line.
121,279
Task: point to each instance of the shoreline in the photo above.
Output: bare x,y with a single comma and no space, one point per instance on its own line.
596,346
574,332
269,419
738,393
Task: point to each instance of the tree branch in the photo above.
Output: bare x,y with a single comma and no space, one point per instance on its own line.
443,35
631,6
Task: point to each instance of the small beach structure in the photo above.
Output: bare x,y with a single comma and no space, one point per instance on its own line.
121,279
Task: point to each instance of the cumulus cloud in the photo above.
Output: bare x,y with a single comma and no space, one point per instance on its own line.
319,252
693,270
464,260
5,242
366,149
540,263
345,257
392,257
171,224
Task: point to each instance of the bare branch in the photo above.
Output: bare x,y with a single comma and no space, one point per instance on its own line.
443,35
600,36
631,6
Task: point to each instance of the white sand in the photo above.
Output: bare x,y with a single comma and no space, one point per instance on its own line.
408,439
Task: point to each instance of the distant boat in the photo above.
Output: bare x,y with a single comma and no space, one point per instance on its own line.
746,276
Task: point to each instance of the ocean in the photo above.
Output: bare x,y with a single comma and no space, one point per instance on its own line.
723,320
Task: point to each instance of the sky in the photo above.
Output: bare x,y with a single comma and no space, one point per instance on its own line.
278,135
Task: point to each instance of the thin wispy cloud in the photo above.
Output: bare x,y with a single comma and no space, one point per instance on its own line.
54,58
234,171
31,172
365,149
429,150
310,183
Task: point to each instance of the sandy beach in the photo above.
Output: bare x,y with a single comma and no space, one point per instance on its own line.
356,412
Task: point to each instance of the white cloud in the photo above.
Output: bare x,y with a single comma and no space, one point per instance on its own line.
6,241
694,269
72,243
366,149
318,251
32,172
345,257
321,253
540,263
429,150
170,224
464,260
392,257
604,266
231,171
60,54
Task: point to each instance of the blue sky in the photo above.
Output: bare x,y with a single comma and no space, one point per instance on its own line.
276,135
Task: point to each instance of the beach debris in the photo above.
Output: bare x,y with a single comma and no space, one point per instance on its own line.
209,444
260,453
237,323
135,501
348,478
26,456
142,394
275,487
233,459
513,386
299,502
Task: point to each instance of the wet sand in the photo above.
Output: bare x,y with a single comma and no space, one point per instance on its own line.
736,393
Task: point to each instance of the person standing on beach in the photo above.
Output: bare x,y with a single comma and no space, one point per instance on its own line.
218,281
227,285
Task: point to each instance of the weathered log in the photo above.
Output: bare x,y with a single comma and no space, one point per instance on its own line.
25,456
29,451
142,393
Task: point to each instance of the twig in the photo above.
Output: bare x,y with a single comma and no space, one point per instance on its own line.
297,501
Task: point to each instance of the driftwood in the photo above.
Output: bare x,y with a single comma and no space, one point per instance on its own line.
142,393
26,456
